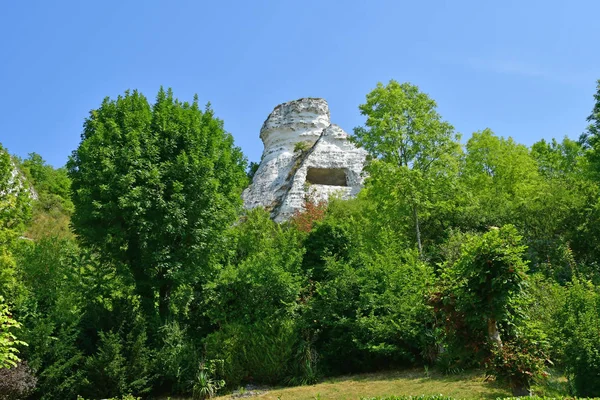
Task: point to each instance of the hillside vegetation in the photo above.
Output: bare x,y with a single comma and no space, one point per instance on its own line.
135,271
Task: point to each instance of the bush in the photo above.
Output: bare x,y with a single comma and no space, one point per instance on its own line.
549,300
263,352
82,322
262,279
580,319
177,359
518,363
253,302
120,366
369,312
301,147
480,296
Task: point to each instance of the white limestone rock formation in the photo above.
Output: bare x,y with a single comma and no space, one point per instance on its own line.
16,182
304,155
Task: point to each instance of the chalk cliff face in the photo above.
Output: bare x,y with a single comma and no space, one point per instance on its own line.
304,155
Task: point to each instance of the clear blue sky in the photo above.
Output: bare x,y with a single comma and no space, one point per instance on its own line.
526,68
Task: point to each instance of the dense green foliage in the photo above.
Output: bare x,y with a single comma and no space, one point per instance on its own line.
15,208
580,318
8,340
133,271
153,188
52,211
416,152
592,136
479,291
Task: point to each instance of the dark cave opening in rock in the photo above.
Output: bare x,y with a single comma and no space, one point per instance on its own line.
327,176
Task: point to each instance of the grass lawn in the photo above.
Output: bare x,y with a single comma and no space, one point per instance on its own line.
409,382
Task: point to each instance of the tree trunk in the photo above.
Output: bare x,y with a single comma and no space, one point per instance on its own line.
143,285
494,333
520,389
164,300
417,229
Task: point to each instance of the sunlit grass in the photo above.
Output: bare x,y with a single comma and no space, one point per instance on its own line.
414,382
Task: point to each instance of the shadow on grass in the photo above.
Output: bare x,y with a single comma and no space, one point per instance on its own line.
408,374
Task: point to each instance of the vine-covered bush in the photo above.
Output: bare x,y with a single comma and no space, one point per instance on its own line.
482,301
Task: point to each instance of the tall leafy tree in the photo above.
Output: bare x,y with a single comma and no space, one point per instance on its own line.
501,177
560,160
592,136
564,217
587,242
414,148
154,187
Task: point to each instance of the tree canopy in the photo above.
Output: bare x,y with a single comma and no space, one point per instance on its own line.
153,187
414,149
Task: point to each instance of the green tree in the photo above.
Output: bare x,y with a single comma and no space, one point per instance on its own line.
501,178
592,136
413,147
559,160
586,242
153,188
562,218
